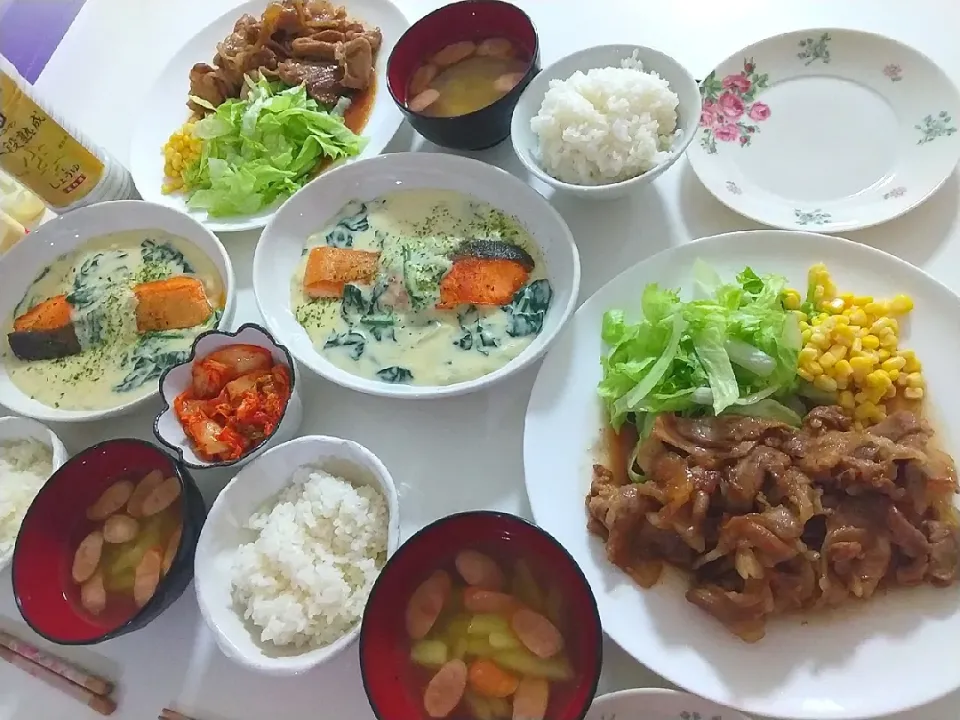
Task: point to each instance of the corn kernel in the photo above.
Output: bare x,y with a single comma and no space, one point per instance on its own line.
857,425
913,393
877,379
842,383
912,364
804,374
814,368
902,380
883,355
818,293
847,298
856,346
834,306
827,360
838,351
915,380
870,342
893,374
808,354
862,300
877,308
805,335
861,366
894,363
847,401
889,341
890,393
820,340
825,383
901,304
858,317
844,335
840,320
791,300
842,369
864,411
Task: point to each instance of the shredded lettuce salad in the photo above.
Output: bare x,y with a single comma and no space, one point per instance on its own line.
732,349
262,147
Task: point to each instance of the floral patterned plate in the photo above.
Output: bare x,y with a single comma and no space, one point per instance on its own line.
826,130
658,704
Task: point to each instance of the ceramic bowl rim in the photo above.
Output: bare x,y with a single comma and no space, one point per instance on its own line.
734,714
502,517
181,474
385,483
531,70
676,151
178,449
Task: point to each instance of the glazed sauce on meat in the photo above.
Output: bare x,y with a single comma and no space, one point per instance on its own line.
615,449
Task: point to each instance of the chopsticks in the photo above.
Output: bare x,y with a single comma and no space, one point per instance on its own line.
92,690
168,714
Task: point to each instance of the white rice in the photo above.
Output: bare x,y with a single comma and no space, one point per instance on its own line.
321,544
25,465
605,126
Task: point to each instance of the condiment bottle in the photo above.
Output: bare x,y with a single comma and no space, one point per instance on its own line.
49,157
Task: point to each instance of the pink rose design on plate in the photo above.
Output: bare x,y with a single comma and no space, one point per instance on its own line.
727,133
759,111
709,114
730,105
739,83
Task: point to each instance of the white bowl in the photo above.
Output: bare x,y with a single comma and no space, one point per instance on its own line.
175,380
526,143
224,532
281,246
17,428
658,704
64,234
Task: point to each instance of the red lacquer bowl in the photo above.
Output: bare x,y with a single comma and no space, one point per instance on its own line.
54,526
467,20
394,686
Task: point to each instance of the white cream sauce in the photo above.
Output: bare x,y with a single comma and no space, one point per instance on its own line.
116,364
391,330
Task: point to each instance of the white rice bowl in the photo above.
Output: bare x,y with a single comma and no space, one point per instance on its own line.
25,465
606,125
321,543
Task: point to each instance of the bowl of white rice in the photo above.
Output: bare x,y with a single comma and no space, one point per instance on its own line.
290,551
29,454
605,120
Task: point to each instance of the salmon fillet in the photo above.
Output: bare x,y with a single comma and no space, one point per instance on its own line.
171,304
478,281
45,332
330,268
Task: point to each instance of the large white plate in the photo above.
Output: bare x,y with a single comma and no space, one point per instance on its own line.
889,654
826,130
165,109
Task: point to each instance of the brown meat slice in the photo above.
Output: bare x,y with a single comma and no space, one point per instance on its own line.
903,427
797,490
322,79
356,58
210,84
826,417
944,553
314,49
857,548
746,479
743,613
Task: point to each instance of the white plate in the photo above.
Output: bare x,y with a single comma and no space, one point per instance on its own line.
826,130
164,109
861,661
657,704
281,248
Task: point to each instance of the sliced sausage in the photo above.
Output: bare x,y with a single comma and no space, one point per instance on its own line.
112,499
424,100
426,603
496,47
120,529
143,488
531,699
507,82
422,78
454,53
445,689
478,600
147,576
87,557
161,497
93,596
539,635
173,544
479,570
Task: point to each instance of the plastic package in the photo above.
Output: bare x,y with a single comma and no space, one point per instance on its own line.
11,232
18,202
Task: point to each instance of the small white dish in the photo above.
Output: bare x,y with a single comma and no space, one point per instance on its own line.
64,234
282,242
17,428
179,378
224,532
826,130
164,108
836,665
658,704
526,142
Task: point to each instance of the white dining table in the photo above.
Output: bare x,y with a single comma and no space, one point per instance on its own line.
98,78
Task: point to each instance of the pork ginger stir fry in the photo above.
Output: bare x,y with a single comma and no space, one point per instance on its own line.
769,519
299,42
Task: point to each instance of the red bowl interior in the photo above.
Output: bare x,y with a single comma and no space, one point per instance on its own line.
395,686
54,526
468,20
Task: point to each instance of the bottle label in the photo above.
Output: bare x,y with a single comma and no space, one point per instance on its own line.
36,150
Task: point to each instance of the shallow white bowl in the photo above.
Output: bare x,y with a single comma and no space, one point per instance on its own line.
281,247
174,381
526,144
64,234
224,532
658,704
17,428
